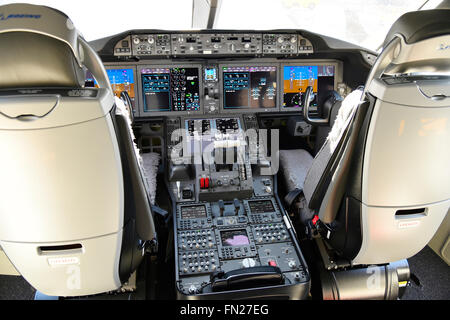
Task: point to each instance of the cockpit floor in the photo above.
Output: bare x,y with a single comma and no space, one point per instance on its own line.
432,273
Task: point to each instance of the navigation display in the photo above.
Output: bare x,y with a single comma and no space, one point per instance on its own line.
170,89
247,87
120,79
234,238
297,78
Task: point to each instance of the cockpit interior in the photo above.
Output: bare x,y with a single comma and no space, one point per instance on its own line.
223,164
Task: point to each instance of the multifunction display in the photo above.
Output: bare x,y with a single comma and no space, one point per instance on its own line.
170,89
297,78
234,237
247,87
261,206
193,212
120,79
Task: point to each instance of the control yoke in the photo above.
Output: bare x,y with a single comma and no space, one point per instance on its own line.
309,95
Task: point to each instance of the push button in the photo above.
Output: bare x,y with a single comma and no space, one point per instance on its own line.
272,263
202,183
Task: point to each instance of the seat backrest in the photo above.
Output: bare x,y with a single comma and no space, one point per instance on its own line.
74,213
384,190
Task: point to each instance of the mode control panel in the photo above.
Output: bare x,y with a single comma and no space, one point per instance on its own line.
151,44
280,43
194,44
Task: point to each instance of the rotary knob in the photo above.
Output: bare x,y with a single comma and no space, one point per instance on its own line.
248,262
192,289
247,45
136,40
280,40
150,40
292,264
293,39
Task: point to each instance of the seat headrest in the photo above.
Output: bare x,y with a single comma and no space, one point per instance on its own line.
416,26
34,60
39,47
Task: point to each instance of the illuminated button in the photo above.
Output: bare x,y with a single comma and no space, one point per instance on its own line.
272,263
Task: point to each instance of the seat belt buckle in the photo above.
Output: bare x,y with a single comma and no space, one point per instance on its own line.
312,227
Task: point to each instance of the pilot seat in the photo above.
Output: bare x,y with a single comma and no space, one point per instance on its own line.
379,186
75,214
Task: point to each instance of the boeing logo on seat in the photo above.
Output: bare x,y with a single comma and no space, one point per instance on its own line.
443,47
19,16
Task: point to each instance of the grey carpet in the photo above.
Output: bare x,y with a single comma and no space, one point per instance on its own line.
432,272
15,288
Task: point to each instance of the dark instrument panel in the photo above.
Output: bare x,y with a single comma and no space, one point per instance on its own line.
213,88
210,72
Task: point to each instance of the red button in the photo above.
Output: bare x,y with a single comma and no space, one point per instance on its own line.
315,219
202,183
272,263
206,182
